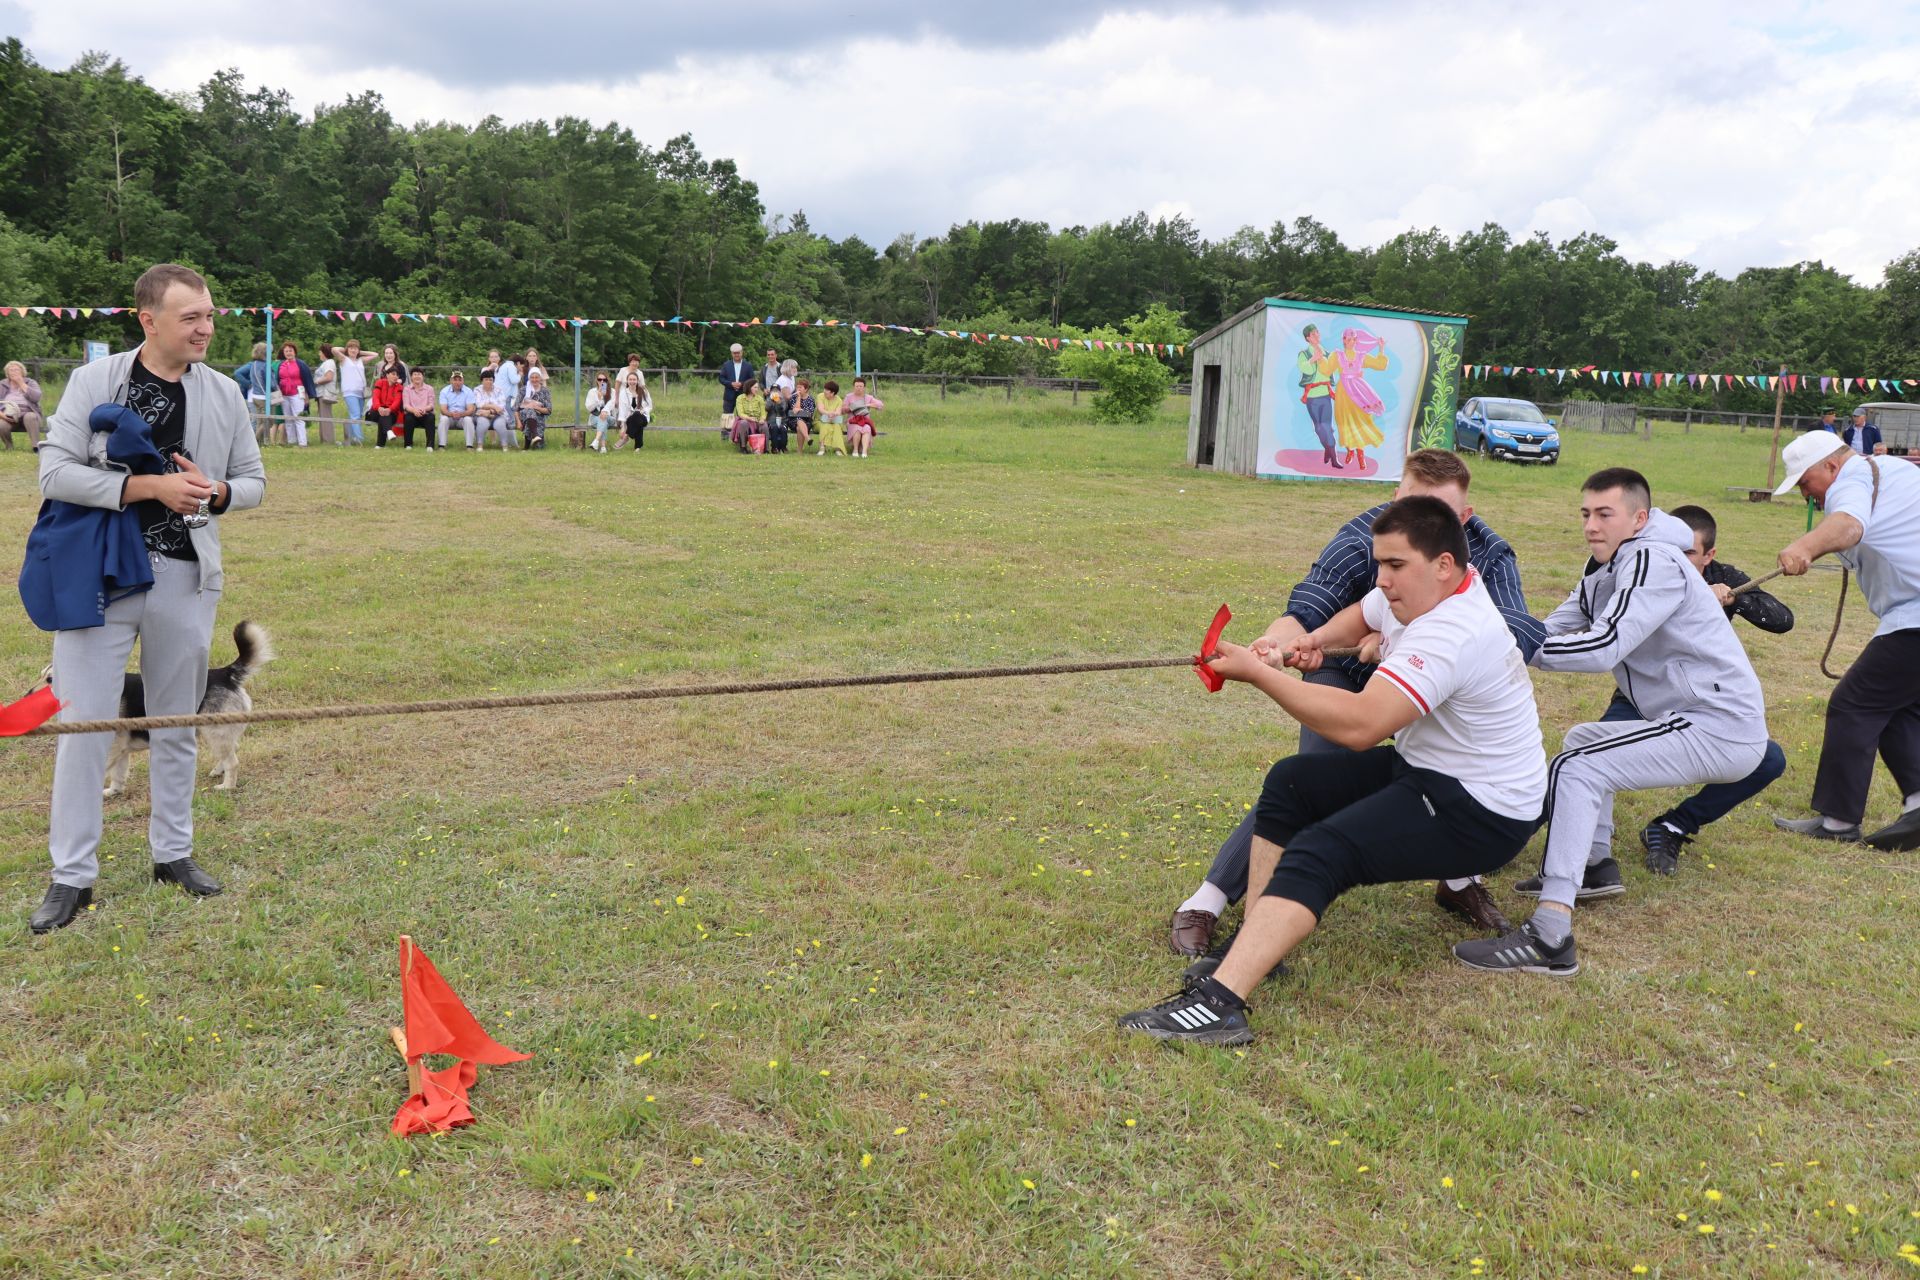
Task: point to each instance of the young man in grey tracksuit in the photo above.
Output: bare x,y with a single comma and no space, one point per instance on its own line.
199,424
1643,612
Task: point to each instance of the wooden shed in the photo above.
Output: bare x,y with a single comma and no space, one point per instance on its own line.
1315,388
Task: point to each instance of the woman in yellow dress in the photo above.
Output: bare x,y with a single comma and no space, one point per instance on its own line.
1354,402
832,435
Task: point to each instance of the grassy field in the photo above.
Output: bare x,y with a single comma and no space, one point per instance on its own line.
824,983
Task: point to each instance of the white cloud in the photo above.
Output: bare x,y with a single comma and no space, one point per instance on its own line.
1731,135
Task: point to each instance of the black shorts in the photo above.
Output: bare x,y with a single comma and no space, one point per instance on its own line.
1352,818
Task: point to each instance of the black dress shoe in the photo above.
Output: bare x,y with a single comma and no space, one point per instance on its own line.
1817,828
1899,836
188,876
57,910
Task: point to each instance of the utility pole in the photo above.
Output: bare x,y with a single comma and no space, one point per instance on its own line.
1779,402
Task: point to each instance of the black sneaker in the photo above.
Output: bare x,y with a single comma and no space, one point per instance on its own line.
1601,881
1521,951
1662,844
1192,1018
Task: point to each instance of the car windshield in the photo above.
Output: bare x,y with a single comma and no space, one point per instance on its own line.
1513,411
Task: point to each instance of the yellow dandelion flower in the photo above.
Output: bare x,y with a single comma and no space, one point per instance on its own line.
1447,1182
1028,1184
1639,1268
772,1063
866,1159
698,1160
404,1173
1713,1195
1131,1122
592,1196
1705,1228
1853,1211
825,1072
897,1132
641,1060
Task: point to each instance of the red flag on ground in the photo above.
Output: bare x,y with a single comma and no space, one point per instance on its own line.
1208,676
438,1022
30,712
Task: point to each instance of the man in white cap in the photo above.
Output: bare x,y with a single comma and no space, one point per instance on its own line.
1873,525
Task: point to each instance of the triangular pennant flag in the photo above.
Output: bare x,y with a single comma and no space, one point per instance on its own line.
87,312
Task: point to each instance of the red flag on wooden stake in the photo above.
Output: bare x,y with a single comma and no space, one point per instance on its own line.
437,1021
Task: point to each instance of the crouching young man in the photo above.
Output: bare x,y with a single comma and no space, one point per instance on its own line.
1458,794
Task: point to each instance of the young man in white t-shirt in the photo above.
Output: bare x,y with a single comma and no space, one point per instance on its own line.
1459,792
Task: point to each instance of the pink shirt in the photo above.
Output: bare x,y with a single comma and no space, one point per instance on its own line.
417,399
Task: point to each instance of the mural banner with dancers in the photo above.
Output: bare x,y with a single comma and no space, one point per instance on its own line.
1349,391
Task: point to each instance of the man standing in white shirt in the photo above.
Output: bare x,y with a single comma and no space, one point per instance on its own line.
1458,793
1873,524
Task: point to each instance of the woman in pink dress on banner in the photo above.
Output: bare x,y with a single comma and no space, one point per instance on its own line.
1354,402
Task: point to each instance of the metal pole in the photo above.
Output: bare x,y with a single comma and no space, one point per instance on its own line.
856,348
576,374
266,405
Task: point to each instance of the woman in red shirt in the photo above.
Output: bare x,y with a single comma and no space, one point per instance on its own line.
385,411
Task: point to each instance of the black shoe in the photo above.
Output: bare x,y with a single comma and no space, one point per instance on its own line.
1521,951
1602,880
1899,836
185,873
1192,1018
1816,828
1202,969
57,910
1662,844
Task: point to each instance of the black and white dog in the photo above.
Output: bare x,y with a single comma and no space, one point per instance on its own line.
226,691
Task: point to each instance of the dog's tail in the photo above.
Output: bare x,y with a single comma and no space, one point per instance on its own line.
256,650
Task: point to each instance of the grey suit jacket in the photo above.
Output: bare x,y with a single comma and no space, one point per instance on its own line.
73,459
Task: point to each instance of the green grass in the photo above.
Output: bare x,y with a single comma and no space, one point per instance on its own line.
926,905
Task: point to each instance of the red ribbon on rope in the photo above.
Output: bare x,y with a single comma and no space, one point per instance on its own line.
1214,681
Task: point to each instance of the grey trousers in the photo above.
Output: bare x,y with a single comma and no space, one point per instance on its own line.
1598,759
173,621
1229,870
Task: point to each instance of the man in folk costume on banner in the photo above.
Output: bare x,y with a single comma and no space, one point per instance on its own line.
1873,524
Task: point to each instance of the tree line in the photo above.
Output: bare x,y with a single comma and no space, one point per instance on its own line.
100,174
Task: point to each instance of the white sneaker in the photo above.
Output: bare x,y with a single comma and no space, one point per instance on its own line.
429,448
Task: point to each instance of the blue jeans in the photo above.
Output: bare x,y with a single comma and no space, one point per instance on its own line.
1715,801
356,408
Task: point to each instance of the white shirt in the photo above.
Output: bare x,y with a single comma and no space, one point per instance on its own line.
326,380
1457,663
353,376
1887,557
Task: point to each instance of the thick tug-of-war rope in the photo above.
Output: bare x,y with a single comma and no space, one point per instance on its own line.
585,697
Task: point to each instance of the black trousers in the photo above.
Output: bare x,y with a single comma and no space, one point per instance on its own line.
1875,707
637,430
382,424
1351,818
423,422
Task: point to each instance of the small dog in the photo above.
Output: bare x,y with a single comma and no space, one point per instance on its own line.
226,691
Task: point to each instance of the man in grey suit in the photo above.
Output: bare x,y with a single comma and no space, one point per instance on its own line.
199,422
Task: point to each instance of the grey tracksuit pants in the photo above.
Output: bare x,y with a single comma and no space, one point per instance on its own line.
173,621
1599,759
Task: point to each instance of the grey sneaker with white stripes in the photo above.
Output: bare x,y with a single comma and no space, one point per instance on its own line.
1521,951
1192,1017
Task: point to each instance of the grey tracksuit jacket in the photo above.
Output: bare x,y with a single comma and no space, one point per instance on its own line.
1650,618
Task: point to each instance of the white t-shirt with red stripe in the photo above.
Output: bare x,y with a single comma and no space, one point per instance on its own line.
1478,723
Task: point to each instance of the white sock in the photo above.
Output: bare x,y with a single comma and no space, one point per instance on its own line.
1913,802
1208,898
1834,824
1458,885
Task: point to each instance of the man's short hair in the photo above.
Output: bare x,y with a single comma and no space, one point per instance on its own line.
150,290
1429,526
1435,467
1700,520
1632,485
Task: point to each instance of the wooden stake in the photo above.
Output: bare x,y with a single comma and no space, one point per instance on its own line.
398,1035
1779,400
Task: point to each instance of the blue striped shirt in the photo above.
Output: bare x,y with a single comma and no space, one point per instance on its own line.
1344,573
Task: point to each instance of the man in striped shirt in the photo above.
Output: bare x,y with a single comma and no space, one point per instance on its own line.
1341,576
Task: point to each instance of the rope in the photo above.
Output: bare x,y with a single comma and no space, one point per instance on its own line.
588,696
1839,612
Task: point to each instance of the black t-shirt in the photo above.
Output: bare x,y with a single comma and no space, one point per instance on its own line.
163,406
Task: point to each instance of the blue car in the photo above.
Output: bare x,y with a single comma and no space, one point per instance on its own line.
1512,429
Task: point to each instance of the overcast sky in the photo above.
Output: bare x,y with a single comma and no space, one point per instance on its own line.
1729,134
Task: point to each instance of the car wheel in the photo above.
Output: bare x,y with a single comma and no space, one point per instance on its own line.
1486,449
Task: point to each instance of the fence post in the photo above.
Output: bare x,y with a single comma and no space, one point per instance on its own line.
576,375
1076,391
1009,390
943,386
1687,426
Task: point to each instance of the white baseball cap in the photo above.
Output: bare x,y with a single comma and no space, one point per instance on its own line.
1803,452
